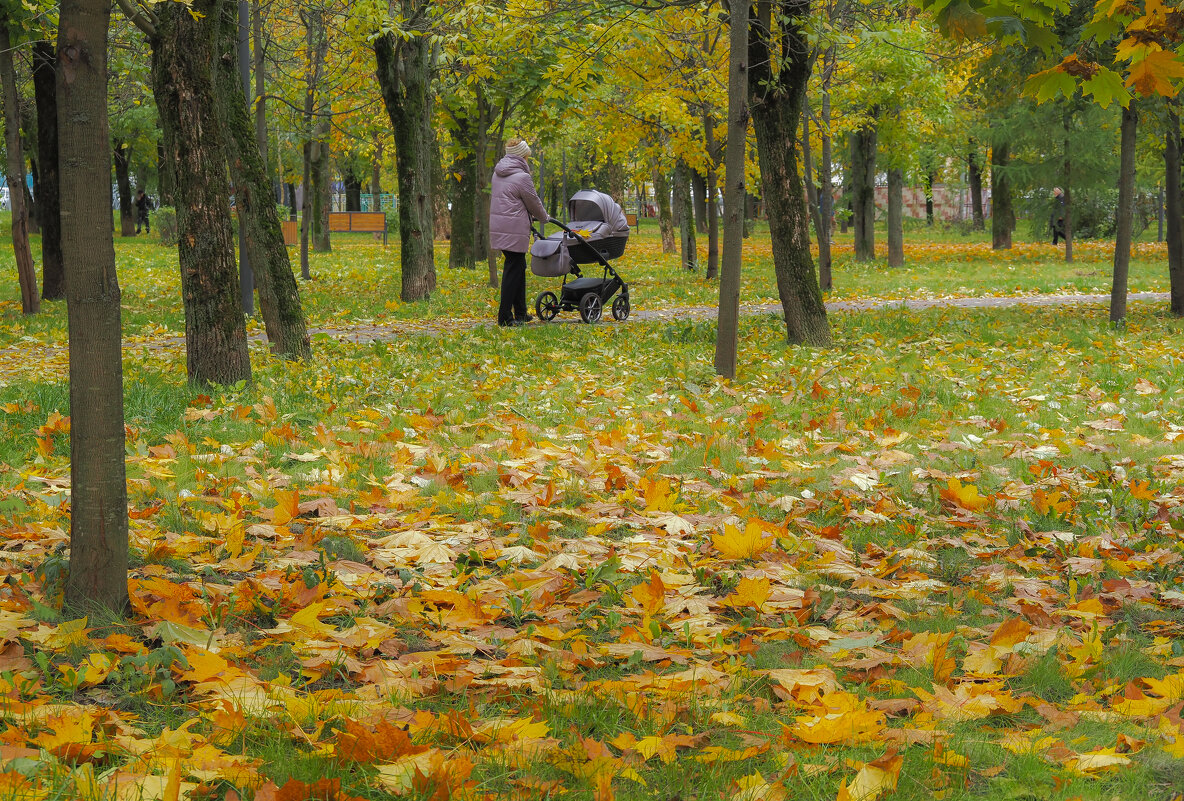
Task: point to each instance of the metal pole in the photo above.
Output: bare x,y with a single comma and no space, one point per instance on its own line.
245,275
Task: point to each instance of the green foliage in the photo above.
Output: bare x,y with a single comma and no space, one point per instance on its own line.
164,220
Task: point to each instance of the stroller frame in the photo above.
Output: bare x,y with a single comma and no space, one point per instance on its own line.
589,295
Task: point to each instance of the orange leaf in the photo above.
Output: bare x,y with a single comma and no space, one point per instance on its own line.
651,594
287,507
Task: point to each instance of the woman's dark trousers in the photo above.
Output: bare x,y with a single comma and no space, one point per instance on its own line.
513,301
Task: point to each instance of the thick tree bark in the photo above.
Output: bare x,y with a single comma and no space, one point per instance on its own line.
462,184
686,216
1174,211
974,172
15,171
263,238
1125,212
776,98
98,479
405,77
183,84
896,217
53,279
712,209
735,190
665,220
127,217
863,191
1002,212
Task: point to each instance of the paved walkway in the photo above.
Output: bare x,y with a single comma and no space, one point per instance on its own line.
366,333
386,333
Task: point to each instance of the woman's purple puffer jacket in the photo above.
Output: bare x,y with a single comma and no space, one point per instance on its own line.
512,204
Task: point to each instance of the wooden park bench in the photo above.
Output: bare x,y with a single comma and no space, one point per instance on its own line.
358,222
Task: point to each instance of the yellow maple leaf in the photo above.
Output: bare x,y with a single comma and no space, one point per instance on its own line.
747,544
750,592
963,495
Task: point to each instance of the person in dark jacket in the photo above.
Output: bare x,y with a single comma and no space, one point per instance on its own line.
143,206
512,205
1056,220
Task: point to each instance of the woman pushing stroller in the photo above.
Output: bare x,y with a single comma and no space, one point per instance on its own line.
513,205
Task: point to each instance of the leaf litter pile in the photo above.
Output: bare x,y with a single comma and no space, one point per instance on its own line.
941,560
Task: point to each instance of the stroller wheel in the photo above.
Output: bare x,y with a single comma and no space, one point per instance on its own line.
546,305
621,308
590,307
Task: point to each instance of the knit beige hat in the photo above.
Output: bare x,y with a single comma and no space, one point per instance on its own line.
518,147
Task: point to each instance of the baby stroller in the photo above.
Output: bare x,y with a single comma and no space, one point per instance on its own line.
598,232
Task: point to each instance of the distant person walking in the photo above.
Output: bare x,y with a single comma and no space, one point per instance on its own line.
143,206
512,205
1056,220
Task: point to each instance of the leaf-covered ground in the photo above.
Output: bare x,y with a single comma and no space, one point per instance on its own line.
941,559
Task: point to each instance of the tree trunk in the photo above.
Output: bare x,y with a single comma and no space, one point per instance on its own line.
182,76
376,180
1002,213
34,213
259,65
305,209
712,208
863,191
1174,211
896,217
263,238
317,47
98,478
462,183
735,190
293,211
776,98
1066,122
699,197
686,216
127,217
974,172
321,189
930,177
812,200
405,77
481,154
826,198
665,220
165,179
26,273
353,190
1126,213
53,279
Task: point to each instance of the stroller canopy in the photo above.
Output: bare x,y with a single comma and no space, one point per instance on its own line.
588,205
